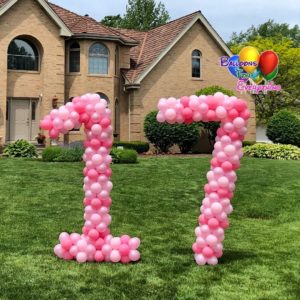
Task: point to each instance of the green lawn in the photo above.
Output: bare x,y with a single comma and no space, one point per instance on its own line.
157,200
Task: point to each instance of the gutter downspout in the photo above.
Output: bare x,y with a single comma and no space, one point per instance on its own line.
129,117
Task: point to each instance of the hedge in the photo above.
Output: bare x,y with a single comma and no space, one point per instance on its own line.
58,154
138,146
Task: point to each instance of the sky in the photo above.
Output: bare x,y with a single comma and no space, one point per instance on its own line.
226,16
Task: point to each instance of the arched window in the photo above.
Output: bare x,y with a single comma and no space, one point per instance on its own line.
22,55
196,64
103,96
74,62
98,59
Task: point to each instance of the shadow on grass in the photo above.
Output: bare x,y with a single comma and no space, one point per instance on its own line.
230,256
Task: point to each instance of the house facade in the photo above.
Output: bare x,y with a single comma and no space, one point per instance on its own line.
48,55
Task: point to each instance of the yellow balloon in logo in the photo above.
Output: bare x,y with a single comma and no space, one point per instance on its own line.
249,56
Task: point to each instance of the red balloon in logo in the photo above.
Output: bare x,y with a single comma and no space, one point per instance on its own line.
268,62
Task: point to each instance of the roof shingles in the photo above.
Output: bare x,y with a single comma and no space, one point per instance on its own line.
152,44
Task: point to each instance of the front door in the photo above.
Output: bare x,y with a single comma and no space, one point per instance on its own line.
23,121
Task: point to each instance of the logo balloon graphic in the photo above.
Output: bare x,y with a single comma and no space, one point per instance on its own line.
233,66
216,206
95,243
268,62
250,57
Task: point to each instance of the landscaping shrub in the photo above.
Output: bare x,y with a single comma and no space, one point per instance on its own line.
273,151
20,148
70,155
51,153
159,134
123,156
138,146
284,128
164,135
185,136
212,127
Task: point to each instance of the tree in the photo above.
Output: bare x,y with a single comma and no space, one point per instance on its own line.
145,14
284,42
112,21
140,15
269,29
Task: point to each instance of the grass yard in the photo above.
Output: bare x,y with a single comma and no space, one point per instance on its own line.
157,200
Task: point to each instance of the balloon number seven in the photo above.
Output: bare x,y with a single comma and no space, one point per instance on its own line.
95,243
233,115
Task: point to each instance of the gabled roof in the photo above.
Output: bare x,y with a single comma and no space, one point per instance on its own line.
156,43
72,24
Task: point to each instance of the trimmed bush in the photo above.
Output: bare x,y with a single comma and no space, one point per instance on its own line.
138,146
185,136
163,135
20,148
273,151
70,155
123,156
51,153
159,134
284,128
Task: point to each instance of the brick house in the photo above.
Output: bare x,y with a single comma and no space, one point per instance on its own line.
49,55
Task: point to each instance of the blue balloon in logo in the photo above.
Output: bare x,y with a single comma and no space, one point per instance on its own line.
233,66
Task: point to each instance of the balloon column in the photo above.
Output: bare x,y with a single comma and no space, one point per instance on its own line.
233,115
257,66
95,243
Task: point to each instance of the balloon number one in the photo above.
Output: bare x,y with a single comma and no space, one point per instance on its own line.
96,243
233,115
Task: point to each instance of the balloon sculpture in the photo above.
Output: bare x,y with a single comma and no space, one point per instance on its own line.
95,243
233,115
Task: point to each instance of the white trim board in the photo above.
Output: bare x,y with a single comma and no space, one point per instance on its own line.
64,30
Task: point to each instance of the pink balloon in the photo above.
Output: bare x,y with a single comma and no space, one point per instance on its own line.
134,255
115,256
81,257
134,243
